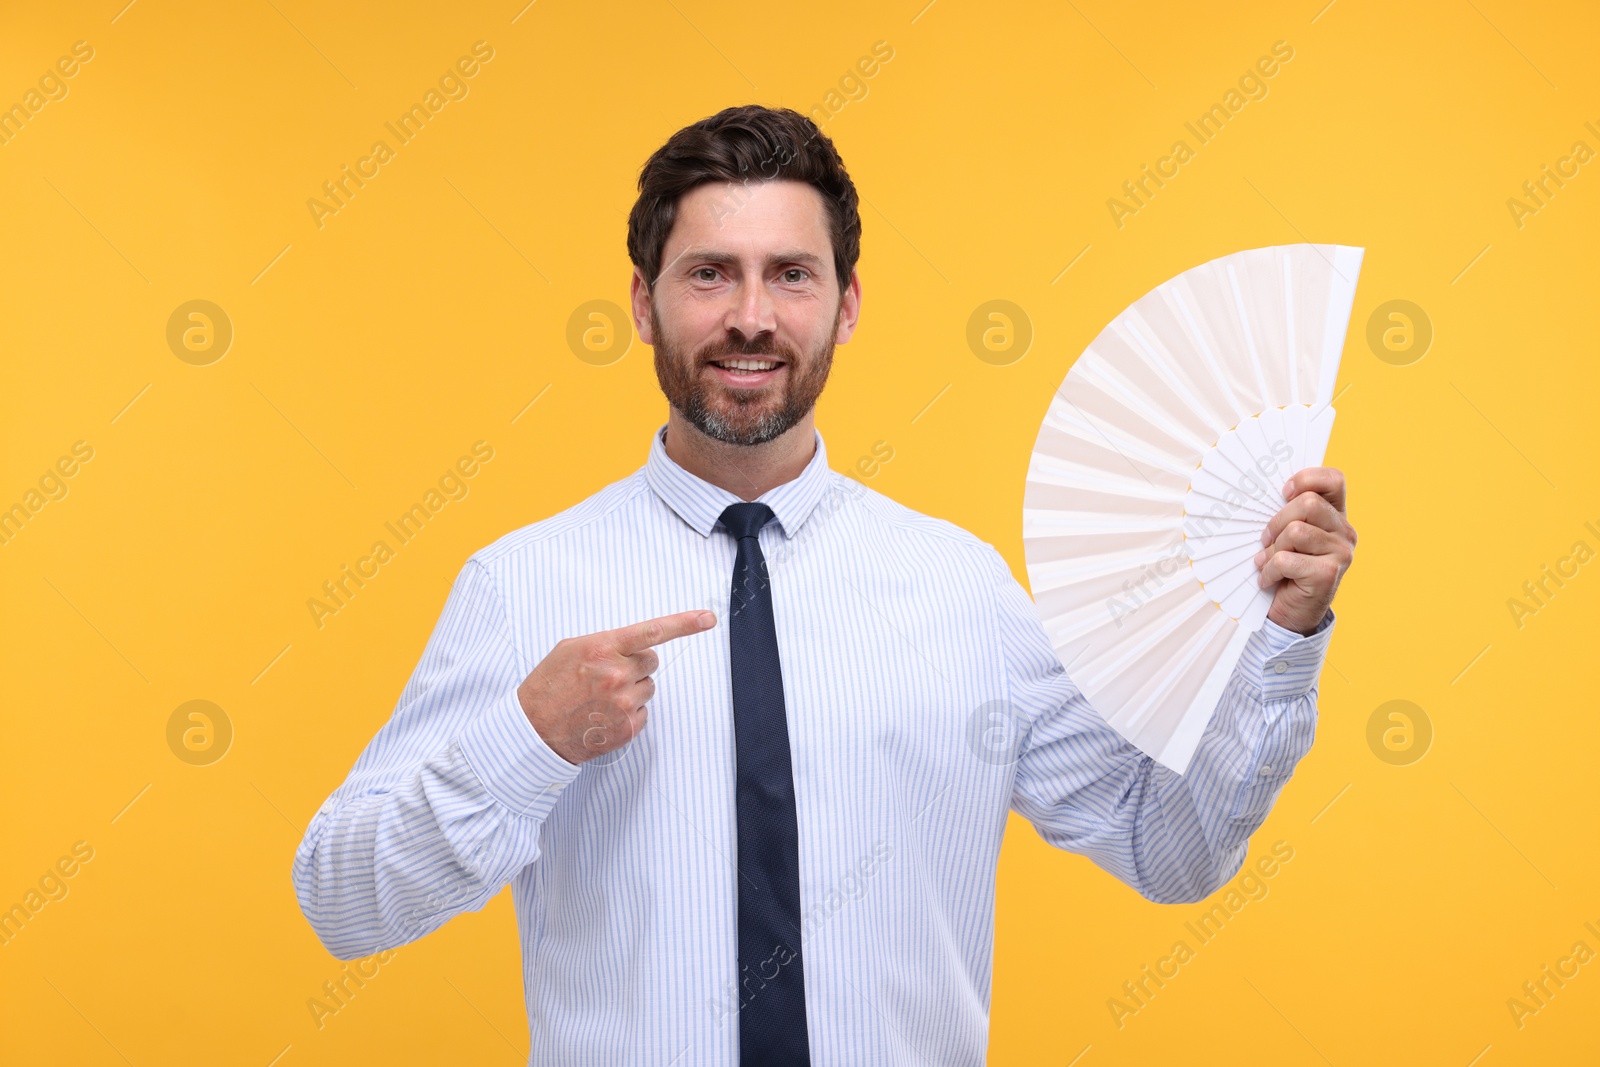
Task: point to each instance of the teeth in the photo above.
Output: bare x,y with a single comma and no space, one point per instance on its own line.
749,364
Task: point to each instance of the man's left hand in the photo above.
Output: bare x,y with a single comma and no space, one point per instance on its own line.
1309,546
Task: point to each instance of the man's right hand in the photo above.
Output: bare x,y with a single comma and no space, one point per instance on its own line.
587,697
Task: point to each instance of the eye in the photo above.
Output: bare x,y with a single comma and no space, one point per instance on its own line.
796,270
699,271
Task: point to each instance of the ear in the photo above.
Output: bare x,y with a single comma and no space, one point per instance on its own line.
849,309
639,299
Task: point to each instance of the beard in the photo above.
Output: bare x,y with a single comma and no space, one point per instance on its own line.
741,416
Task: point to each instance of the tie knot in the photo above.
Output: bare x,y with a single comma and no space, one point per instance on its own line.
746,519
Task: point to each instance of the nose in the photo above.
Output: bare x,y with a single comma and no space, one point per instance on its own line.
752,312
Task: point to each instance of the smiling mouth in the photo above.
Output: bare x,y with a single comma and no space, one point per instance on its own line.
745,372
747,365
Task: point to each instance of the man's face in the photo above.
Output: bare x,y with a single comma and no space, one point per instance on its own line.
747,275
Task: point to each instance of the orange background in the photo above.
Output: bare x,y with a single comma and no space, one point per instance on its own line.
425,315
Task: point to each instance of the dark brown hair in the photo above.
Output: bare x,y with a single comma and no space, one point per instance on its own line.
745,144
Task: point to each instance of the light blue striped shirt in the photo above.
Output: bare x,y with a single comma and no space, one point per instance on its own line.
924,702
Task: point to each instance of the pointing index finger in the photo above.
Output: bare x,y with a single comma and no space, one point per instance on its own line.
642,635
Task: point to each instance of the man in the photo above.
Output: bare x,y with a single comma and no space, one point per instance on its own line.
741,733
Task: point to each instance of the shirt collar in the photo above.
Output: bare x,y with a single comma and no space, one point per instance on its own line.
700,504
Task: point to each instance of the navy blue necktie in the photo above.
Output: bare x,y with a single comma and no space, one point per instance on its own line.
772,995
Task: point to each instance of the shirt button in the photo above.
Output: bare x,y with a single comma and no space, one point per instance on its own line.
1280,667
1266,769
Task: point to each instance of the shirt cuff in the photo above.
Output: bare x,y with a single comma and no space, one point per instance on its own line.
1284,664
512,761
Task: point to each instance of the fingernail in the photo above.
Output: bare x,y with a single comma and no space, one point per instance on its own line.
1260,556
707,619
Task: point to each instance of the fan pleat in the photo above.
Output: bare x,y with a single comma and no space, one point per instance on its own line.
1159,410
1159,694
1076,425
1247,336
1197,669
1139,334
1237,407
1133,421
1142,631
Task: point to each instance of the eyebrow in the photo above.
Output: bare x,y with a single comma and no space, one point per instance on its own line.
795,255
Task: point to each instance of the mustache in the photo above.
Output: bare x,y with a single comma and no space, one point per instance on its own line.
756,347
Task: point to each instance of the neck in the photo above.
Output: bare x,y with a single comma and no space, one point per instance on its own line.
746,471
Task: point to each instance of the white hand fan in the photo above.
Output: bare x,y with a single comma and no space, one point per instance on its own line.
1160,461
